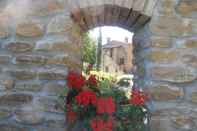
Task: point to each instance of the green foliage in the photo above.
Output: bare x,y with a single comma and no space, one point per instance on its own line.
99,51
89,50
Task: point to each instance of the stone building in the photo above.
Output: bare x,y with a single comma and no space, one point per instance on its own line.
40,40
117,57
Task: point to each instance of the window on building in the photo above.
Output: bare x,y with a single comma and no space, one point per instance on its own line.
107,69
111,52
122,61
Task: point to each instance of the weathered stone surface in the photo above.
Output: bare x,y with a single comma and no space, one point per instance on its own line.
57,45
173,74
50,105
4,114
15,99
48,7
31,59
194,97
184,122
177,27
19,47
4,25
166,92
22,74
4,32
4,59
34,86
8,83
60,24
11,127
190,60
166,7
162,56
54,88
71,62
187,8
191,44
29,117
53,125
29,29
52,74
161,42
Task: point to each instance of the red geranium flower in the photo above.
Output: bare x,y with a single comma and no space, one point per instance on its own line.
86,97
101,125
75,80
70,114
92,80
137,97
105,105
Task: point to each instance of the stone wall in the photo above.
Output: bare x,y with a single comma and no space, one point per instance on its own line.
166,47
40,41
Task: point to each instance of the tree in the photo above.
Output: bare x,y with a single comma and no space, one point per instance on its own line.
89,50
99,50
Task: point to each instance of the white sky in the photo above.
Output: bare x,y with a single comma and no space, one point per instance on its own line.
115,33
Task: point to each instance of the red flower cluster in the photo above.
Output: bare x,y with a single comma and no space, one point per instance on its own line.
92,80
86,97
70,114
137,97
101,125
105,105
75,80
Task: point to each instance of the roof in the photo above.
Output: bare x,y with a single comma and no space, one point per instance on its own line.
115,44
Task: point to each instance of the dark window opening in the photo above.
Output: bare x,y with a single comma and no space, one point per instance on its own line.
106,69
122,61
111,52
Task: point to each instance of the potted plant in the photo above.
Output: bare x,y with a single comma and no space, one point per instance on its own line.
91,107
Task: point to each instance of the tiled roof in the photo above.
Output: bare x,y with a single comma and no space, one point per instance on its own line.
115,44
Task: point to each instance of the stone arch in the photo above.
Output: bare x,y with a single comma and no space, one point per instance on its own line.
40,44
128,14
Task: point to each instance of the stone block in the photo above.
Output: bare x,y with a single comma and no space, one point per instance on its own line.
14,100
166,93
29,117
173,74
171,26
187,8
52,74
162,56
11,127
29,29
30,59
60,24
19,47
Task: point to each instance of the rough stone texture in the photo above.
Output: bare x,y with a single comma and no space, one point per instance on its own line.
41,41
187,8
19,47
30,59
165,93
59,24
29,29
194,97
33,86
14,100
159,56
29,117
159,42
4,114
4,59
11,127
177,26
190,60
173,74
